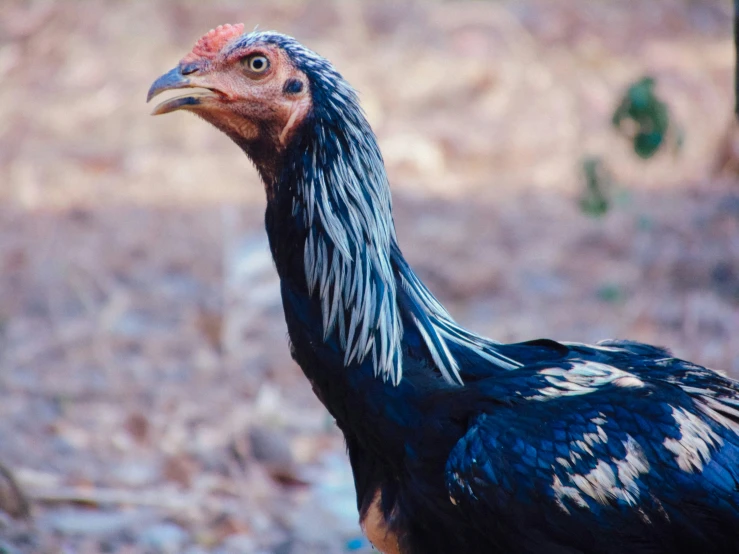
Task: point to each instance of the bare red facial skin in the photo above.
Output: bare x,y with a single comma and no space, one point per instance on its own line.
255,108
211,44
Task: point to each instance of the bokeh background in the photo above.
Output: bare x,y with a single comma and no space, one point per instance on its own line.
148,402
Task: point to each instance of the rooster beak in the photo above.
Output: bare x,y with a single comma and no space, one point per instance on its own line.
173,80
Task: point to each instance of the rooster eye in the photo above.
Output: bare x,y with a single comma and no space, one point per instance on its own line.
257,63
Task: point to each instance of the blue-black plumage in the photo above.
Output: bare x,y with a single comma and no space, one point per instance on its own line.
457,443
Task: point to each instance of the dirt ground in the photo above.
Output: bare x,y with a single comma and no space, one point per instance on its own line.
148,400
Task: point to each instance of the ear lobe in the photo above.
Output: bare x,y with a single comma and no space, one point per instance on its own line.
292,86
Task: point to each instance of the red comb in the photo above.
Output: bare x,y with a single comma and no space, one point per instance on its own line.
211,43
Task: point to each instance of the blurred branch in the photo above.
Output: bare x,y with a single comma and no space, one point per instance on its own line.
13,501
166,499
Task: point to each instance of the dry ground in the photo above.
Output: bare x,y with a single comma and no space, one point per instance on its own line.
148,400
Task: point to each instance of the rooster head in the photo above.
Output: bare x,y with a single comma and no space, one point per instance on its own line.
254,87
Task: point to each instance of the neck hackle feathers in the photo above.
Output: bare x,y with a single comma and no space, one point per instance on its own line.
211,43
351,253
341,196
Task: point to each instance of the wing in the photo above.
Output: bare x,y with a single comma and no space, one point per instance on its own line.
587,457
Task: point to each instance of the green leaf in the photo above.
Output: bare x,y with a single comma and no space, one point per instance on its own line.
595,200
649,116
611,293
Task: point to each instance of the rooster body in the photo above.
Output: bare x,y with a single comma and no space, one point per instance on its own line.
457,443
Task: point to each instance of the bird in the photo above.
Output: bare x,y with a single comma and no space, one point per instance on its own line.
457,443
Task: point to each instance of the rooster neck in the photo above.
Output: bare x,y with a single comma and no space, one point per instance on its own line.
333,202
332,236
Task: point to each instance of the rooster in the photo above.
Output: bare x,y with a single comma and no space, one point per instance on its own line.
457,443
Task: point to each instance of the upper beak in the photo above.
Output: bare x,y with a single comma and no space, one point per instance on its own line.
174,79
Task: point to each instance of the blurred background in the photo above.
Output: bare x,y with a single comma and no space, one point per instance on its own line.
560,168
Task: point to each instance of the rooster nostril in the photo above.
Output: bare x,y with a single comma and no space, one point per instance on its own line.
189,69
